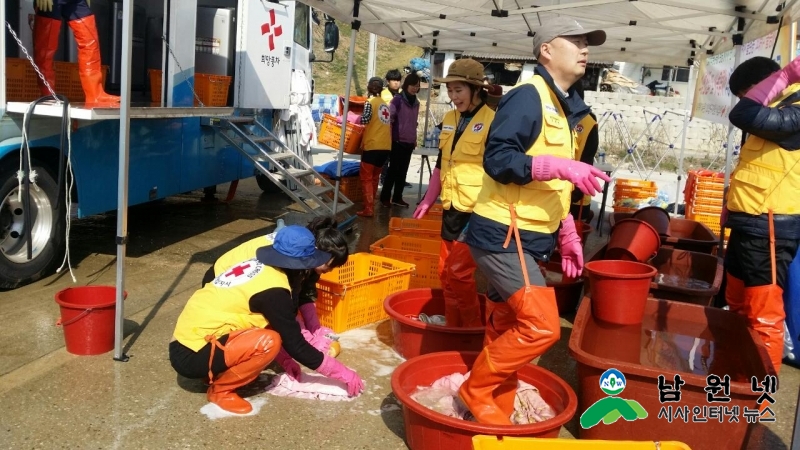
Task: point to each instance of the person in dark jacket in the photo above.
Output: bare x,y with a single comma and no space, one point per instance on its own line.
762,206
522,211
404,110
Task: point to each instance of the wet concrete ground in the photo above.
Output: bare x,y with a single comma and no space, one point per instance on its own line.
52,399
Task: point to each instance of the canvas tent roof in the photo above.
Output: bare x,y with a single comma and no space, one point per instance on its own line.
664,32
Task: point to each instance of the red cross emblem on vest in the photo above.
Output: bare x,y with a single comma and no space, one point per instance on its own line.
383,113
238,270
271,30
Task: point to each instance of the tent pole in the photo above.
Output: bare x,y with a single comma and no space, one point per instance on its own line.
427,113
730,144
340,156
122,182
687,111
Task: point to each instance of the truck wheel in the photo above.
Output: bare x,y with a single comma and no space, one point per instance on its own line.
46,230
267,185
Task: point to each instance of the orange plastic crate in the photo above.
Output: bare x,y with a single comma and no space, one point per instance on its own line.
350,187
155,85
423,253
417,228
330,133
352,295
641,184
435,210
21,81
22,84
212,89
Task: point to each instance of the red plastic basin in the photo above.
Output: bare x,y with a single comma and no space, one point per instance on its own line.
674,338
690,235
429,430
619,290
413,338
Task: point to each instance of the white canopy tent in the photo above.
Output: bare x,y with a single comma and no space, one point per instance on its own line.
662,32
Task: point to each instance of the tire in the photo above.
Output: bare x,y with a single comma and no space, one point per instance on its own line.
48,230
267,185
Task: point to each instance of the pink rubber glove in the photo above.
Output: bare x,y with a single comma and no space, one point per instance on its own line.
309,313
289,365
332,368
353,118
434,189
569,244
582,175
769,88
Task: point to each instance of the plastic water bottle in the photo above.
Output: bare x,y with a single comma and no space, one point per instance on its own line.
601,157
280,225
436,132
428,140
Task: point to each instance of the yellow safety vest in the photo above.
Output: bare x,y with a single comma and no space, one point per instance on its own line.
462,166
378,133
223,305
387,95
767,176
582,131
242,252
540,205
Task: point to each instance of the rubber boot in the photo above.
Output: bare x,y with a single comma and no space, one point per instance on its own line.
462,287
536,329
85,30
500,319
452,315
765,315
45,45
734,294
247,353
365,173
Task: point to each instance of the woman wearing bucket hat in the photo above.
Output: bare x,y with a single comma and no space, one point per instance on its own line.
232,328
530,173
329,239
458,177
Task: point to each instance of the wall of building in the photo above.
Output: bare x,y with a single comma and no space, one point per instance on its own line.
704,138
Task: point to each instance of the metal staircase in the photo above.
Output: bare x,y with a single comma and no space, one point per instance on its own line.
294,176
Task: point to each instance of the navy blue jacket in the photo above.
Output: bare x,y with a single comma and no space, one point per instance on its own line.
516,126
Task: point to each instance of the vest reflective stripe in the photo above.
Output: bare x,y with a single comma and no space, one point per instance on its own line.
223,305
243,252
462,166
767,176
540,205
378,133
582,131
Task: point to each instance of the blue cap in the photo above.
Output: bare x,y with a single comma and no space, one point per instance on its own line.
294,248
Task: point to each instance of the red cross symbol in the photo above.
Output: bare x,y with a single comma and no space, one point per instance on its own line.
238,270
276,30
385,113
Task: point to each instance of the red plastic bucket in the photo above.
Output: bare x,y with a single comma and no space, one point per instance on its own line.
633,240
430,430
413,338
619,290
657,217
87,317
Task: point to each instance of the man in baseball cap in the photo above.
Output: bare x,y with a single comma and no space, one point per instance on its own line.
530,174
562,26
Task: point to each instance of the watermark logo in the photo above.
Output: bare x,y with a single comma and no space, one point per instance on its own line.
610,409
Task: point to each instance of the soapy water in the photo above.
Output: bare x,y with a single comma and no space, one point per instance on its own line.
681,282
